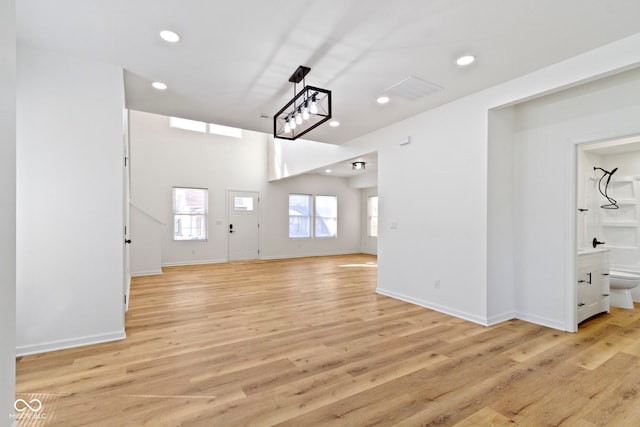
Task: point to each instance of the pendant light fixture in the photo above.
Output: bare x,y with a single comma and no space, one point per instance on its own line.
307,110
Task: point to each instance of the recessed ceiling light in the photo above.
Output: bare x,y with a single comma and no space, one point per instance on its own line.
334,123
159,85
169,36
382,99
328,171
465,60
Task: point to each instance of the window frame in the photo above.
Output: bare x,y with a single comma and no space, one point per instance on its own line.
316,216
313,217
309,216
204,215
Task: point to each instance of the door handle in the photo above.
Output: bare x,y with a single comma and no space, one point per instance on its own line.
127,241
230,228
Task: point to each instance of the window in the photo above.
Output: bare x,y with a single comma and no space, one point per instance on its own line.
305,220
197,126
243,204
186,124
190,207
225,130
326,214
299,216
372,216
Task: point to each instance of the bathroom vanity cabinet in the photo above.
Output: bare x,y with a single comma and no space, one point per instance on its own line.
592,275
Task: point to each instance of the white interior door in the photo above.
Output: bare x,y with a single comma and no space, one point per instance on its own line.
244,225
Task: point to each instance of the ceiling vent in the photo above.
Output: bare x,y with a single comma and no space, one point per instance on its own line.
411,88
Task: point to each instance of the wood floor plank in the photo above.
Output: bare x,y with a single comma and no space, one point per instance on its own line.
485,417
598,353
308,342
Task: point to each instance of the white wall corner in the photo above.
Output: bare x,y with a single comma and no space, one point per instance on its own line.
436,307
499,318
542,321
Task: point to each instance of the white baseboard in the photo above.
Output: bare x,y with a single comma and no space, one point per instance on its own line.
499,318
307,255
440,308
265,258
542,321
549,323
146,273
27,350
182,263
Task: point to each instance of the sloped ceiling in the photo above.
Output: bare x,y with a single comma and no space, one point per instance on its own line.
234,59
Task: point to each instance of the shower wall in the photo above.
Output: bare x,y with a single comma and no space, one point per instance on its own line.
621,227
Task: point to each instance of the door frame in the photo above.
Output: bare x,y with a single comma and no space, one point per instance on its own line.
126,212
228,219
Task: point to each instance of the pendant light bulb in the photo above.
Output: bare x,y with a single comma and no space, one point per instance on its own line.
292,122
305,111
298,117
287,127
313,109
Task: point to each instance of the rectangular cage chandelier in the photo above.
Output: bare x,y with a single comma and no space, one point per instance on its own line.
307,110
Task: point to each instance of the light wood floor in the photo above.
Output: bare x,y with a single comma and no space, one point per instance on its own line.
307,342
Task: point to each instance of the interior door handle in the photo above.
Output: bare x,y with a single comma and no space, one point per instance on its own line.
230,228
127,241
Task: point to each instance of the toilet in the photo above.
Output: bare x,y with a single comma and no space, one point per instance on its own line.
621,284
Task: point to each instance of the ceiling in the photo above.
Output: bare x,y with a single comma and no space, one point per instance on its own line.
234,60
346,169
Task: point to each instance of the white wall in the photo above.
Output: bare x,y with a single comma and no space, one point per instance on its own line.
146,252
8,213
501,235
366,180
275,211
162,157
69,201
547,130
432,207
435,191
628,164
290,158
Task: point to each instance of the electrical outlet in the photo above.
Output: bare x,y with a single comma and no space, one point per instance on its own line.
436,284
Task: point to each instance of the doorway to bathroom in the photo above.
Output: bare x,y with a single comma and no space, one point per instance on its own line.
608,208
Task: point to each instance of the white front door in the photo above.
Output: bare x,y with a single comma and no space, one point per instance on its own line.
244,226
